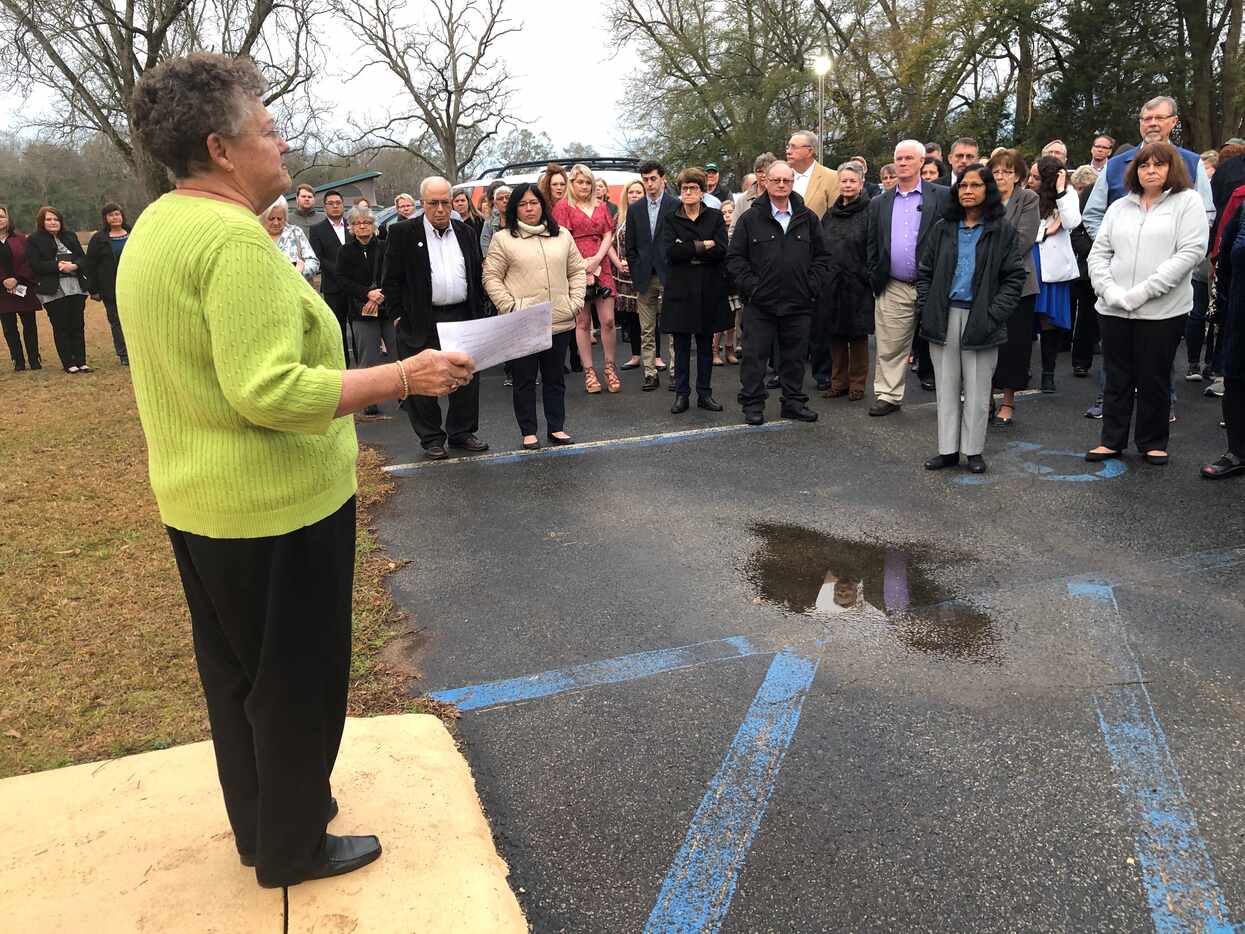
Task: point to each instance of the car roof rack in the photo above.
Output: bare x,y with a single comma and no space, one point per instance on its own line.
596,163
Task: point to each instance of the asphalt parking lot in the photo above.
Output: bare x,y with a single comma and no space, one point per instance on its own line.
784,679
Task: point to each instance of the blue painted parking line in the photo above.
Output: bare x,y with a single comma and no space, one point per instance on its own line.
593,674
1176,867
698,888
590,447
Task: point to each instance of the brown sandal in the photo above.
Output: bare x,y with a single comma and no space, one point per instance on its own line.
612,383
591,383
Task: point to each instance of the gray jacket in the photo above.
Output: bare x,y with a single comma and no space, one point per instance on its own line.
1142,262
1022,214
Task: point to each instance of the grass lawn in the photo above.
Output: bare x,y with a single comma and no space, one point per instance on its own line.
95,650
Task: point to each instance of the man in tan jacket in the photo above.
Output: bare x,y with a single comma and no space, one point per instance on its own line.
816,184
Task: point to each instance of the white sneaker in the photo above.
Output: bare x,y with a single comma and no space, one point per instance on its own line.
72,369
1214,389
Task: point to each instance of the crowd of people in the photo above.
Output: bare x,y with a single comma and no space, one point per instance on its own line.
954,267
241,381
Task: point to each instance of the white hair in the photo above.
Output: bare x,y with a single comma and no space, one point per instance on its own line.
914,144
279,203
809,137
1155,103
431,180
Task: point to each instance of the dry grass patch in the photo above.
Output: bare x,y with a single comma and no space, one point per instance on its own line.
97,658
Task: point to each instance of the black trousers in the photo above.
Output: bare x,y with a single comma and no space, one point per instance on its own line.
761,328
1085,329
114,322
820,352
68,329
337,301
1195,332
271,625
1234,415
29,333
683,364
552,385
1137,358
924,361
463,417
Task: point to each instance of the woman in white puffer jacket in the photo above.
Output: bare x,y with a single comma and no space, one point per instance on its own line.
1142,267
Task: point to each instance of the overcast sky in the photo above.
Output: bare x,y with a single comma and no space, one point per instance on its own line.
572,103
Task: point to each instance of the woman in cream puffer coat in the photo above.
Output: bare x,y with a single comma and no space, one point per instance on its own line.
532,260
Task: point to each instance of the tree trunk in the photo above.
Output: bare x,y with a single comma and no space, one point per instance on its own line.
1198,130
150,173
1233,62
1024,81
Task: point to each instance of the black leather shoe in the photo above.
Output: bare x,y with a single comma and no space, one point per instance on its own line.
754,418
710,403
883,408
628,366
1095,457
436,452
680,405
533,446
939,461
650,383
248,859
1080,372
1048,382
801,414
976,463
928,384
469,443
339,856
554,439
1226,466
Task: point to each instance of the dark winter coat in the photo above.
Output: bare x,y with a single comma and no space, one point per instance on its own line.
694,300
998,279
41,251
359,270
407,278
846,306
779,273
101,266
1230,296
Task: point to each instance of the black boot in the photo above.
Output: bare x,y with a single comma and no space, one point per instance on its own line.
680,405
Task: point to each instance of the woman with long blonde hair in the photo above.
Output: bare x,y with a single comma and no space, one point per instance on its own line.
625,305
588,220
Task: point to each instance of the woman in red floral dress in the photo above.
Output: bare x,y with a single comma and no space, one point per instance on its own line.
588,220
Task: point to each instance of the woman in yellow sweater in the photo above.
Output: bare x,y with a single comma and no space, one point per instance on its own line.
243,395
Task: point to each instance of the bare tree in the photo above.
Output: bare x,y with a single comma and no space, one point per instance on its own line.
90,53
456,91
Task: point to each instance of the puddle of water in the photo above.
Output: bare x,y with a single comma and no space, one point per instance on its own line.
804,571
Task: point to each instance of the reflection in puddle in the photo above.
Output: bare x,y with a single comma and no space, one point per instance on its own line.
805,571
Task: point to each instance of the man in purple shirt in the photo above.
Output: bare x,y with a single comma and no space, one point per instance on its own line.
899,221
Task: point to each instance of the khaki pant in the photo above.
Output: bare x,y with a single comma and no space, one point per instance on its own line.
648,307
894,324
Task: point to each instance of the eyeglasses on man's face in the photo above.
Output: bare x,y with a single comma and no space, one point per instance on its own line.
436,203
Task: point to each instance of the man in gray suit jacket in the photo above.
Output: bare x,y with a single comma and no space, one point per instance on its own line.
899,222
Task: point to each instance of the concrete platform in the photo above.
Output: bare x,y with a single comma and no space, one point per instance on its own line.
142,844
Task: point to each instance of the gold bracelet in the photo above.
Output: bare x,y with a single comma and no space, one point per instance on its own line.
406,387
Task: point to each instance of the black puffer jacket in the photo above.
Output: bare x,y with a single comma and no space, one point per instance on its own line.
998,279
780,273
846,307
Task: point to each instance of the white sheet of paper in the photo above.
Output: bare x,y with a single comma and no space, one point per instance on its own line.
491,341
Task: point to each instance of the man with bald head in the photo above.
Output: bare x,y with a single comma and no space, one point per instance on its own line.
779,263
899,222
433,274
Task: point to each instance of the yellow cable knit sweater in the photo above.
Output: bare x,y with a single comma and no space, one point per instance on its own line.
237,366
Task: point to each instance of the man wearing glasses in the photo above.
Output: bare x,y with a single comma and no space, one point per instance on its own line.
1100,152
778,260
1158,119
433,273
816,184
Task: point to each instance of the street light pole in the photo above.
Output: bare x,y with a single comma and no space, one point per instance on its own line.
821,67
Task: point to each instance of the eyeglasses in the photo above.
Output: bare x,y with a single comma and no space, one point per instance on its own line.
799,146
1157,118
689,188
781,181
438,203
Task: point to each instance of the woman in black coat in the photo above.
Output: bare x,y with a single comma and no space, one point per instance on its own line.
968,285
694,298
103,254
1230,311
58,261
360,268
845,309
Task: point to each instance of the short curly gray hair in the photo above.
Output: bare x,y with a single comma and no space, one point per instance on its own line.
180,103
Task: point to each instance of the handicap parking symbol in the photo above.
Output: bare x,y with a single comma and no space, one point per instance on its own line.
1029,458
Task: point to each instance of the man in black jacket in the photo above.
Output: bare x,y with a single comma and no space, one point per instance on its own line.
432,274
778,261
327,238
647,267
899,222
